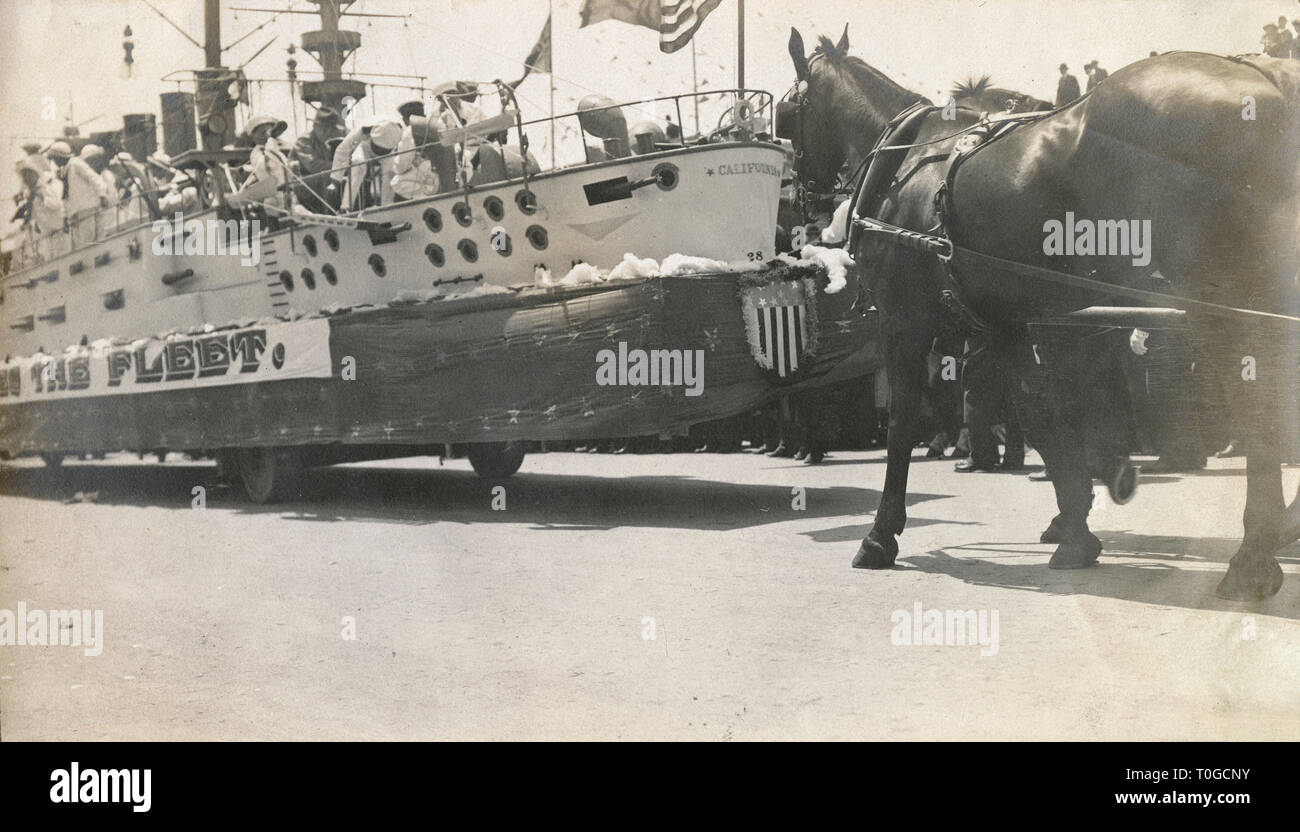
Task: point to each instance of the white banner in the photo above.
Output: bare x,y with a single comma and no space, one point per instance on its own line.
299,349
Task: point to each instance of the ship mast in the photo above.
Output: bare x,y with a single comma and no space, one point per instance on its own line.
331,46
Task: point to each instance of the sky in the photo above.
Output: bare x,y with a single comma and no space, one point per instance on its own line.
65,56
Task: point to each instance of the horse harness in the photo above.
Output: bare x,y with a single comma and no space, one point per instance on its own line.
881,177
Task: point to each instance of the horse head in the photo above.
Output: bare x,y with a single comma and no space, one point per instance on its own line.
837,108
979,94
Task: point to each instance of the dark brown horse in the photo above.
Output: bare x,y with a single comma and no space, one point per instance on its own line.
1202,152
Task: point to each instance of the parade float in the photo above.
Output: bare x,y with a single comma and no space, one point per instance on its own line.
634,292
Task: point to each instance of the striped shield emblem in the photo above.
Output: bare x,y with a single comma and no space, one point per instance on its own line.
781,338
776,325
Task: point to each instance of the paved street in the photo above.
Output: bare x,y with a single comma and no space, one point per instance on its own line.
665,596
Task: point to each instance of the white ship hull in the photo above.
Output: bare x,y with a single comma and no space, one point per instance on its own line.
723,206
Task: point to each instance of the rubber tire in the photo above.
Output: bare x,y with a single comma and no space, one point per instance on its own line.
495,460
269,474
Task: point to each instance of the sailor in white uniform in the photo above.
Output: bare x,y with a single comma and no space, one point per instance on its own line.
373,143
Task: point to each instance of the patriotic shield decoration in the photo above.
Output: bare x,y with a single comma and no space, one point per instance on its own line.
780,325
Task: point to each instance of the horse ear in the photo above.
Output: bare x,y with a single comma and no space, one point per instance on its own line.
843,45
798,55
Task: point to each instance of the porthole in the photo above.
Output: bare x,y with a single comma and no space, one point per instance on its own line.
433,219
461,212
468,249
526,202
494,208
377,265
309,243
538,237
286,280
667,174
331,276
308,278
435,254
332,239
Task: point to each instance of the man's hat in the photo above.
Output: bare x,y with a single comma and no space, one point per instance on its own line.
386,135
31,147
328,115
277,126
411,108
160,160
92,151
61,148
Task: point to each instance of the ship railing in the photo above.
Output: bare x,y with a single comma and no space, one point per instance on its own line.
80,230
595,134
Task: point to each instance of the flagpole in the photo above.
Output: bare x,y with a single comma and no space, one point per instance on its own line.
695,88
550,76
740,44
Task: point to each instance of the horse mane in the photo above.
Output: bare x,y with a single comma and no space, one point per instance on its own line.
972,86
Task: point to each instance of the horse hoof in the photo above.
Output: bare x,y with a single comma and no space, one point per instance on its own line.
1253,585
873,554
1079,552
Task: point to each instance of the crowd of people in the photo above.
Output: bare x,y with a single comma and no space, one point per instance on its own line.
381,160
1280,41
71,198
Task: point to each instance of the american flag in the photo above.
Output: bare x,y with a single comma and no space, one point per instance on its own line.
675,20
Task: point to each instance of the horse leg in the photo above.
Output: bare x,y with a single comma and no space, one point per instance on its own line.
905,364
1048,401
1253,573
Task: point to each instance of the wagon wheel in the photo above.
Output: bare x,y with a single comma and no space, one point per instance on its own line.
227,460
495,460
269,474
52,459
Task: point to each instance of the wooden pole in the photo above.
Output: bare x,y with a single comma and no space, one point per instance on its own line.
550,76
740,44
695,88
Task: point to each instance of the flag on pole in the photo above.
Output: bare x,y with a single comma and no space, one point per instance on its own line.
676,21
637,12
539,57
539,60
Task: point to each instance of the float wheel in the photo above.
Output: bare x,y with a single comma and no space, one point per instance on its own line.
269,474
495,460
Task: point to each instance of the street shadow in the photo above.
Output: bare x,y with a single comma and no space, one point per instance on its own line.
1149,569
440,495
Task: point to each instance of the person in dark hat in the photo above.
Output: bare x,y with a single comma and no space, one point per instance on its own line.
315,154
410,108
1272,42
1095,73
1067,89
